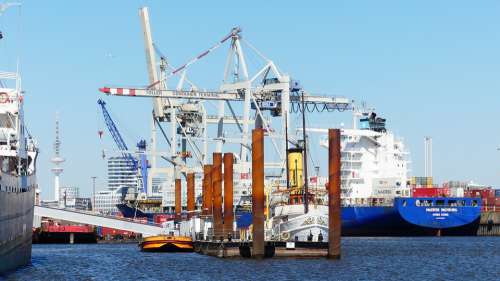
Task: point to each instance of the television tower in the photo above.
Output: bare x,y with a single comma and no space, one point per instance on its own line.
57,160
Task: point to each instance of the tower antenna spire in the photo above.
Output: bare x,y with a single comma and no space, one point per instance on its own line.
57,160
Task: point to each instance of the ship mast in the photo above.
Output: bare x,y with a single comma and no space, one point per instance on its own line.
286,154
304,135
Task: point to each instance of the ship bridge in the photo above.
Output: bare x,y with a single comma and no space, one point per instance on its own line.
99,220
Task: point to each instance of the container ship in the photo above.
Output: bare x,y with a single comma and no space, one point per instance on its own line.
18,154
377,197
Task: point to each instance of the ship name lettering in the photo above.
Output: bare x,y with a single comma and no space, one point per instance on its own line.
454,210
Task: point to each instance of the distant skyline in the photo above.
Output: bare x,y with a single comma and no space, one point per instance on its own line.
431,68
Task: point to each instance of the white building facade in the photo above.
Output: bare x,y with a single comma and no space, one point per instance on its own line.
106,200
68,195
120,173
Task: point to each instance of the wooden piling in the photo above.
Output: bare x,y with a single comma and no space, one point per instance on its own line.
217,194
191,207
258,193
178,202
334,225
228,194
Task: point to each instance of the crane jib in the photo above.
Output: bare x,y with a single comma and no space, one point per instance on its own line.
172,93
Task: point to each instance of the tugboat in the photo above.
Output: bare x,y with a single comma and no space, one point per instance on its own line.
167,243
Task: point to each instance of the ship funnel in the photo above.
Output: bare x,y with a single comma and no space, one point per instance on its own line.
295,168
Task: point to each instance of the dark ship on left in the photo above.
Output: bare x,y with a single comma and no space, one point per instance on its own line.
18,154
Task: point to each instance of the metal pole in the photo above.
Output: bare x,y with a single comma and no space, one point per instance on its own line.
334,225
286,153
304,135
425,157
258,193
150,60
217,193
228,194
178,202
93,193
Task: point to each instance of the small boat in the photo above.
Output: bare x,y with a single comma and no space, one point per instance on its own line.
167,243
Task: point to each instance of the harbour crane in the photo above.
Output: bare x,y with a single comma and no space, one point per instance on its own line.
140,166
3,8
253,95
266,90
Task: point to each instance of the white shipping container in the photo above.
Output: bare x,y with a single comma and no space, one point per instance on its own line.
457,192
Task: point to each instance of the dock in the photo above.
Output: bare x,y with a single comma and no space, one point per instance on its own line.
272,249
259,247
489,224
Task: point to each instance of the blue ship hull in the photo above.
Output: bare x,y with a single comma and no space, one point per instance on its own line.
414,217
132,212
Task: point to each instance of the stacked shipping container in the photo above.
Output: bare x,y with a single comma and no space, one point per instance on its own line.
490,198
430,192
421,182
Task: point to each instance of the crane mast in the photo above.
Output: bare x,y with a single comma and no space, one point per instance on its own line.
160,105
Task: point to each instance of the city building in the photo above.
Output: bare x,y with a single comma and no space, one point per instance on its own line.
121,177
68,195
83,203
121,173
106,200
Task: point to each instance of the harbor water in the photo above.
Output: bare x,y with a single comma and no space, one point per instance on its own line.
423,258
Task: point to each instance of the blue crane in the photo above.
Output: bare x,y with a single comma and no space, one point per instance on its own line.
122,146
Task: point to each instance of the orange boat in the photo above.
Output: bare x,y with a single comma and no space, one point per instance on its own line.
167,243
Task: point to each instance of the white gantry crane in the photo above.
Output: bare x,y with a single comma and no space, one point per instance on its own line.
184,107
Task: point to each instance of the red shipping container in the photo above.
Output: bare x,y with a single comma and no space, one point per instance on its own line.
69,228
473,193
424,192
141,220
489,201
161,218
482,193
430,192
497,202
111,231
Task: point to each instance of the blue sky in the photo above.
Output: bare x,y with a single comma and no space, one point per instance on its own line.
430,67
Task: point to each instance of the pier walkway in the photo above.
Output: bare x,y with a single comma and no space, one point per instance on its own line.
98,220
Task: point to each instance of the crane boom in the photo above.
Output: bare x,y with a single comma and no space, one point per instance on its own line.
180,94
330,101
113,130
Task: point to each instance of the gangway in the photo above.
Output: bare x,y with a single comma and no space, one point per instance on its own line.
98,220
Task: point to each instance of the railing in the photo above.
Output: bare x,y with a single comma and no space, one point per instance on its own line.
97,219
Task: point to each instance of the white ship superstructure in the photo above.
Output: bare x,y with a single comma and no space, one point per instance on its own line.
18,154
374,164
374,170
